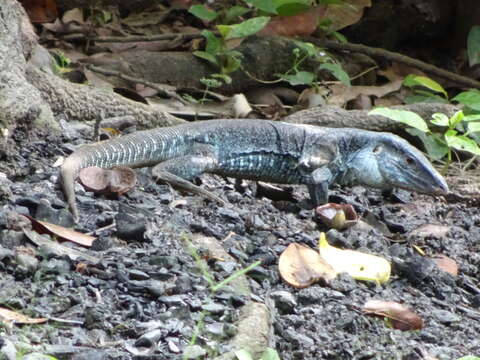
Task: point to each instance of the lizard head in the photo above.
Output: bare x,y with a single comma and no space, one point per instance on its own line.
388,161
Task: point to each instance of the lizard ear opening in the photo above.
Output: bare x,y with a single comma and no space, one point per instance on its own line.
377,149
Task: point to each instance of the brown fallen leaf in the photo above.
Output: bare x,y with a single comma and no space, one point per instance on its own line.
301,266
59,249
43,227
446,264
337,216
295,25
401,317
117,180
8,316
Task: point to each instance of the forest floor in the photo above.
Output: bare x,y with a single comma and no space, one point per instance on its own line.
146,296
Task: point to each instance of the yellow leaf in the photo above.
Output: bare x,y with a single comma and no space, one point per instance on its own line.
359,265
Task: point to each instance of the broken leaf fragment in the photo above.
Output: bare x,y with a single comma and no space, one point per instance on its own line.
446,264
401,317
359,265
301,266
7,316
43,227
337,216
117,180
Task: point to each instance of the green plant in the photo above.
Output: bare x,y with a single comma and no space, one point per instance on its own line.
457,135
213,284
304,50
216,50
227,60
424,90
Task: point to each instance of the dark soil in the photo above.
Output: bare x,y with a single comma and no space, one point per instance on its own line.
146,295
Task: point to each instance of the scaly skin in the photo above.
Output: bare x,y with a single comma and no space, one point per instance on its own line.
267,151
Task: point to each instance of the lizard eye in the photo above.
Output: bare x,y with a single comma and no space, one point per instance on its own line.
410,161
377,149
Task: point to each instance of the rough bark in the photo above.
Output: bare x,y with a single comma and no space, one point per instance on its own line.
20,101
35,97
263,59
334,116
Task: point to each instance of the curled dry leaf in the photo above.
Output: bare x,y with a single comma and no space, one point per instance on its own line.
402,318
301,266
337,216
43,227
117,180
8,316
360,266
446,264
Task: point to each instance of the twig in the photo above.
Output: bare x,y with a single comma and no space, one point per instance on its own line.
393,56
135,38
160,88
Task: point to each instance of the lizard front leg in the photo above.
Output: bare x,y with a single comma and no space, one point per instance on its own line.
318,187
179,170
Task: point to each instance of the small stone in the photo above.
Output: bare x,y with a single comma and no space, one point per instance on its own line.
174,300
138,275
214,308
29,262
156,287
165,261
194,352
217,329
149,339
95,317
284,301
445,317
61,217
10,239
130,228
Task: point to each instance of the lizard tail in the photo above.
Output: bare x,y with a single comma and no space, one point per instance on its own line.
69,172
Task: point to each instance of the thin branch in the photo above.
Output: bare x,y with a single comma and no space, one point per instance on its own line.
162,89
134,38
393,56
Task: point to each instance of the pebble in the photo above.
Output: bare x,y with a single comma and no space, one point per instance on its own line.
284,301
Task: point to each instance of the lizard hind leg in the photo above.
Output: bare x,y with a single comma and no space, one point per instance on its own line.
178,171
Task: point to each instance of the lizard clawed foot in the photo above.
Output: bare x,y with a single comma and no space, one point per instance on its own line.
178,182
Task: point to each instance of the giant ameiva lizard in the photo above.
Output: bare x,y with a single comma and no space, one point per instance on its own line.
264,150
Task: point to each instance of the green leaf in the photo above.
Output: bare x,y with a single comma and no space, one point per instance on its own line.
469,357
270,354
340,37
472,117
292,7
455,119
461,142
473,45
269,6
244,29
214,44
337,71
416,80
430,98
206,56
471,98
434,146
224,77
405,117
202,12
300,78
232,63
235,12
308,48
473,127
439,119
